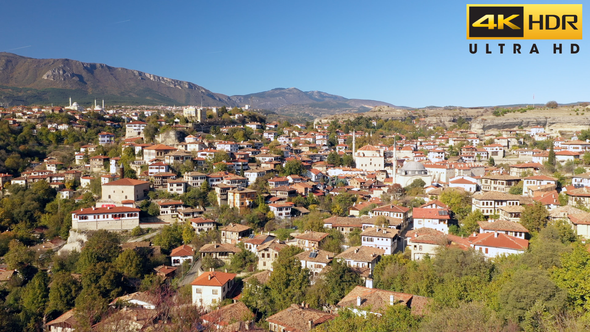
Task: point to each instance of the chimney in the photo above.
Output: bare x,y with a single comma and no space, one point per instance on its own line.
391,299
496,234
358,301
210,276
121,172
310,324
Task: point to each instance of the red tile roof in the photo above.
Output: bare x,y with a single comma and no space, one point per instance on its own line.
126,182
499,240
214,278
182,251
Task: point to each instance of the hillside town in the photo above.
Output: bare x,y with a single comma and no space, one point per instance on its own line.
127,218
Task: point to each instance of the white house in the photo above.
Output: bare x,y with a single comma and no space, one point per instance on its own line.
182,254
380,238
494,244
503,226
210,288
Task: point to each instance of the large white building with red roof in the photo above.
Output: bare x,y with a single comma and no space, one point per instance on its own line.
115,192
496,243
210,288
369,158
110,218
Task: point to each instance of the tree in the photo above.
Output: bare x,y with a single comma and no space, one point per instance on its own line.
340,280
102,246
34,299
574,277
130,264
170,237
491,162
517,189
288,283
245,260
534,217
470,224
459,202
62,294
552,104
528,292
293,167
551,158
19,256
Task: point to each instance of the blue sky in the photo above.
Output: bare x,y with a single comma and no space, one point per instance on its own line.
412,53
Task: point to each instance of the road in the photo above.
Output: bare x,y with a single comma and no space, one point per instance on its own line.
194,272
146,237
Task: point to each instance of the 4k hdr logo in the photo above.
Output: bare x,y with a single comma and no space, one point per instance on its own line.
524,21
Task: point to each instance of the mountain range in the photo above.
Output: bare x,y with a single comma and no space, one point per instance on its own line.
29,81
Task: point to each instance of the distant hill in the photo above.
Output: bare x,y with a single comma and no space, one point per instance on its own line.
283,98
29,81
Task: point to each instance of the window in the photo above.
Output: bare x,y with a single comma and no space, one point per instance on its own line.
198,290
215,292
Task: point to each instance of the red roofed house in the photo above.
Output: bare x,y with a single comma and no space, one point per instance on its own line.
181,254
497,243
297,318
109,218
105,138
232,317
468,184
435,215
115,192
211,288
391,210
157,151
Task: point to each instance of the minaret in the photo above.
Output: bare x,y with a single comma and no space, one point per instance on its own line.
94,104
103,104
353,144
394,160
70,101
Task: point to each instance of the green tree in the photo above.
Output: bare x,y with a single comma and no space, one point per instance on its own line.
551,159
470,224
245,260
528,290
19,256
130,264
517,189
459,202
35,296
574,277
293,167
62,294
534,217
102,246
491,162
288,283
170,237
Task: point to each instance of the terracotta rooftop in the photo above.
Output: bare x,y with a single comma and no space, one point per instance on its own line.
235,228
66,320
297,318
502,225
311,236
389,233
499,240
377,300
214,278
126,182
219,247
182,251
262,277
361,254
316,256
229,314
